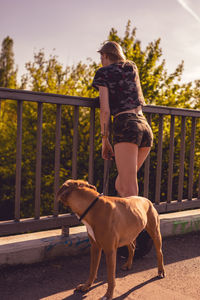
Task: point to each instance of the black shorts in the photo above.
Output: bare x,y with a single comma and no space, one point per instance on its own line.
132,128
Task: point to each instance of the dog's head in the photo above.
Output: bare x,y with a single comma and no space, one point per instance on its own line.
70,186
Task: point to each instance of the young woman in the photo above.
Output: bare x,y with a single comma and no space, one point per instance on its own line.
121,96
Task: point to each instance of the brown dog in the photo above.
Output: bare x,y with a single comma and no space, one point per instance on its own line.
111,222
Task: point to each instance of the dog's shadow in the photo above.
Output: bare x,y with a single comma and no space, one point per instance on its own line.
79,295
137,287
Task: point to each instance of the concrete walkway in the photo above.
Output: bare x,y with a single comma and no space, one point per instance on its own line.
36,247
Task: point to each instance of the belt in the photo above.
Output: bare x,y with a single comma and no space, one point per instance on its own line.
140,114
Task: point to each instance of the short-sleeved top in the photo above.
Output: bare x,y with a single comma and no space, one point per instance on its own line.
123,83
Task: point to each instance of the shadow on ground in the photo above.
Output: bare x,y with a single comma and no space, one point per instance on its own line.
45,279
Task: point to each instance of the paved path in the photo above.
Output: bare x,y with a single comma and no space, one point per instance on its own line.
55,280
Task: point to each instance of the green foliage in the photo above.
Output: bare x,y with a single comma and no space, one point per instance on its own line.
8,75
50,76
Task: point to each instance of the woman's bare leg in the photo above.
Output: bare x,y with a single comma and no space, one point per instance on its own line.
129,158
142,155
126,158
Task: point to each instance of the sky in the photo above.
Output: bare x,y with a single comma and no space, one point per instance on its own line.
74,29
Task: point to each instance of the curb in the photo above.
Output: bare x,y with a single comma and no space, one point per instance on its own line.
179,222
37,247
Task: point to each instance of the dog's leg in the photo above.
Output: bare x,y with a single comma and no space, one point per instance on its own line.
131,251
111,269
153,229
95,256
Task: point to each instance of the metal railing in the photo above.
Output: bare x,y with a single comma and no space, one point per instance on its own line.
55,220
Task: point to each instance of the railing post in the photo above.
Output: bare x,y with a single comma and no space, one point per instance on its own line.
192,152
171,162
199,187
91,146
57,157
147,167
18,160
182,158
107,164
75,142
38,161
159,160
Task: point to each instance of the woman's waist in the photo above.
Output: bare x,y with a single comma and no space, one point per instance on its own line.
137,111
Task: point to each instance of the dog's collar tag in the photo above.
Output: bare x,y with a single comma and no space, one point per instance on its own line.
89,207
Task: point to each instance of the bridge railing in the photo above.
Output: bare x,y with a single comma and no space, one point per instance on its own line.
156,113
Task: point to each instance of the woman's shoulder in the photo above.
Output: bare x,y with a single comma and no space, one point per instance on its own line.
118,67
105,71
106,68
130,64
102,70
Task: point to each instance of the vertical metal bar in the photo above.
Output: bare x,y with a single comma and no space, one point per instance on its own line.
18,160
191,168
159,160
171,161
107,164
57,157
38,161
182,158
91,146
147,167
75,143
199,187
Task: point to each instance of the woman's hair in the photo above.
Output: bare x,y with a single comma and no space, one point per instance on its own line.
113,50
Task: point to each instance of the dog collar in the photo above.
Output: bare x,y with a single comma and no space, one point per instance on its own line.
89,207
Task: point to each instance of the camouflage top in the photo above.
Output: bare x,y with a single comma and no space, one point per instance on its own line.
123,83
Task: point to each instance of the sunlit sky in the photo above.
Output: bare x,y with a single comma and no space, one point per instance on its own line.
74,29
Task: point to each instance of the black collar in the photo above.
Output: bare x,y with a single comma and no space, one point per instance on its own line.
89,207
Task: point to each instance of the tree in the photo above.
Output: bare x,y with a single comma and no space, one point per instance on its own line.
8,73
159,87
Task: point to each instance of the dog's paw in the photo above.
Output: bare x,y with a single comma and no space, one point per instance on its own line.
83,287
161,274
126,267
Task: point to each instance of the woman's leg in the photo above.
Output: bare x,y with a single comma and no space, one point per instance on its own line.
126,158
129,158
142,155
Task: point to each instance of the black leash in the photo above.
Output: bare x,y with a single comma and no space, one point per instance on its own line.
89,207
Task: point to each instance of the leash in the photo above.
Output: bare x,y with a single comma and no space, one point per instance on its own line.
107,166
89,207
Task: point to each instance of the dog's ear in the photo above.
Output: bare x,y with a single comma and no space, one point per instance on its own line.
67,187
64,191
82,183
79,184
90,186
71,185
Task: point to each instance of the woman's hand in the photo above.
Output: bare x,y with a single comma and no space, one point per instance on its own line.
107,150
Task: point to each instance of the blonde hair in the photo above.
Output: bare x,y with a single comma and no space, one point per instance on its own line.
113,50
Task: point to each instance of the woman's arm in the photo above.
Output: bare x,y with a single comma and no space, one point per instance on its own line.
107,150
104,110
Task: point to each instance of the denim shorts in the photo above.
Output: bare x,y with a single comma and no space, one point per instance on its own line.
132,128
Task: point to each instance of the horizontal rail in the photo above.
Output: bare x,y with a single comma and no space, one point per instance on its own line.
174,206
44,223
172,111
47,98
13,94
69,220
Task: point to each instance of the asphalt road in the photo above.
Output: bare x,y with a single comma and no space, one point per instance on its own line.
57,279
